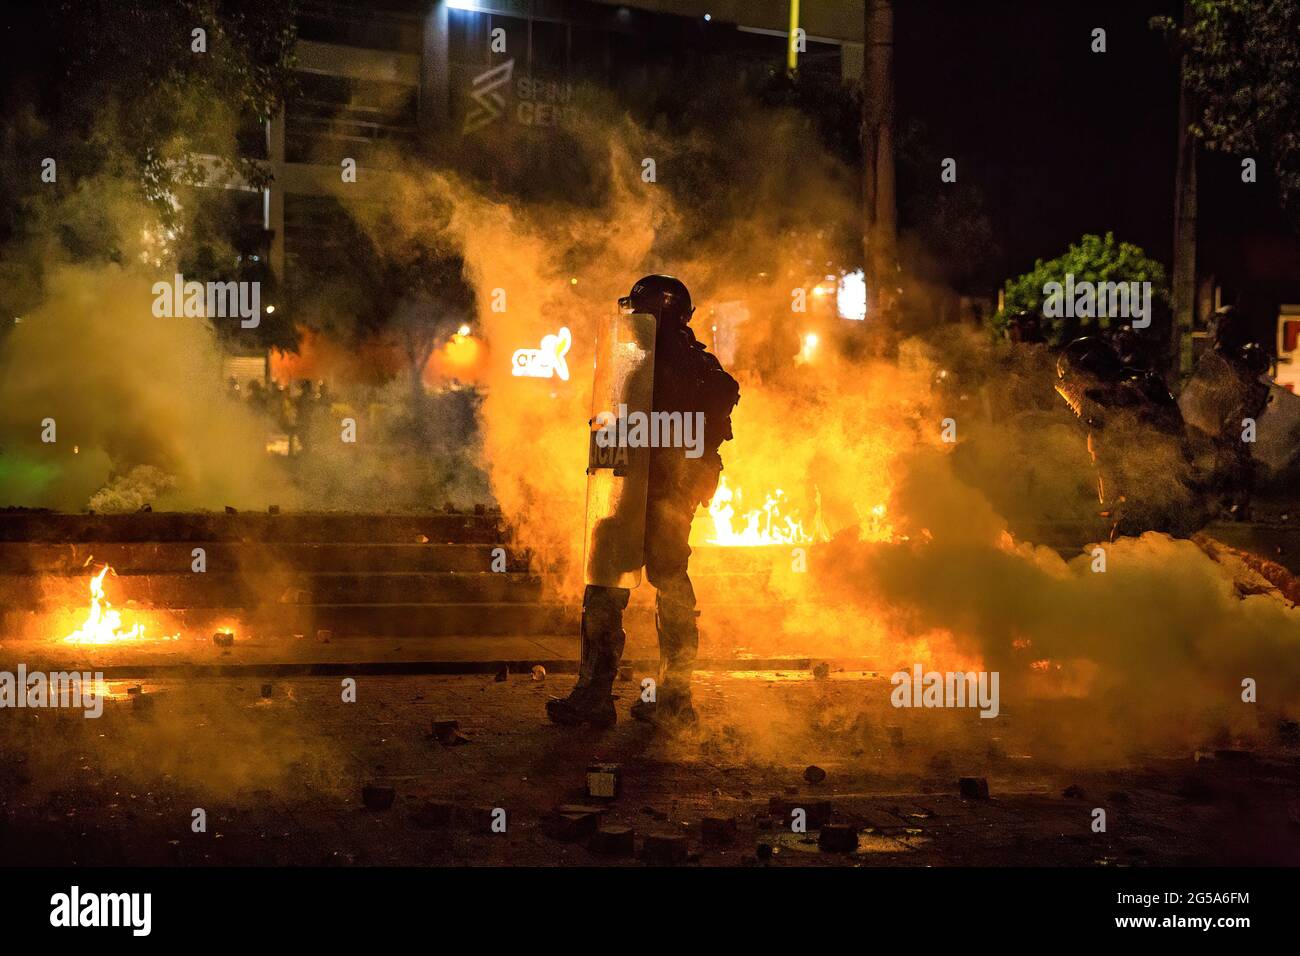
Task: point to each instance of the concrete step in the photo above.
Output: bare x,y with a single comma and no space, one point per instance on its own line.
177,557
154,557
381,620
37,526
39,592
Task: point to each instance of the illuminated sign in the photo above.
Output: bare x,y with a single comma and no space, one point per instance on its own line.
545,361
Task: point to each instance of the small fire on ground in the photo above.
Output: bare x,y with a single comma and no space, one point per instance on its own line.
103,625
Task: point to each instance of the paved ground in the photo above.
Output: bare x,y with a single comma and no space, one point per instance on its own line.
280,779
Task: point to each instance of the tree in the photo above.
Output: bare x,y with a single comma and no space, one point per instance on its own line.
880,213
139,104
1094,259
1241,61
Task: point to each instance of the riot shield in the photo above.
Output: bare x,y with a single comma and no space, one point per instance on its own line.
617,474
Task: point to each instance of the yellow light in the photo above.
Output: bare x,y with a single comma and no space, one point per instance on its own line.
270,309
809,346
463,330
573,280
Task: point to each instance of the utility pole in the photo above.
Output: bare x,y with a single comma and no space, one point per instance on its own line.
880,216
1183,280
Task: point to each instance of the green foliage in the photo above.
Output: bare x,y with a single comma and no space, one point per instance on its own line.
1095,259
1242,61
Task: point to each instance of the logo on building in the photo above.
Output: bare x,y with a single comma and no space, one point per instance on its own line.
489,101
546,361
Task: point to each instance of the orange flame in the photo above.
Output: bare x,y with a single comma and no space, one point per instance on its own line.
103,625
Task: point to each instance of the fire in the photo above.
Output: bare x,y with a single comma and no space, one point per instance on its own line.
103,625
774,523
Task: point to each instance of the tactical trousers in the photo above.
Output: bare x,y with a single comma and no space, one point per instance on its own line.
667,552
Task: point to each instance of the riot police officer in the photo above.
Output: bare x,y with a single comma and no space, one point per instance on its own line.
687,379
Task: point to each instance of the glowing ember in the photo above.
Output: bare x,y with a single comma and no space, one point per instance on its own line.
103,625
773,523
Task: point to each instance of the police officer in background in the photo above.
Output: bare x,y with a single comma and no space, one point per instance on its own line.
1224,391
687,379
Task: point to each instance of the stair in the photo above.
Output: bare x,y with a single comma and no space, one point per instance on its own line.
355,576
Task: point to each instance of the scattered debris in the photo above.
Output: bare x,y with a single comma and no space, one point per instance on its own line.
323,636
539,672
231,511
447,732
571,827
377,797
821,671
273,509
421,539
614,841
135,689
266,690
604,780
223,639
838,838
973,788
502,675
814,774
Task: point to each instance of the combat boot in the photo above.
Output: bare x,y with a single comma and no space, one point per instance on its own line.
671,707
679,638
591,700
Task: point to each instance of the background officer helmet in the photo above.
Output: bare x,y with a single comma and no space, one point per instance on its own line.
665,297
1092,356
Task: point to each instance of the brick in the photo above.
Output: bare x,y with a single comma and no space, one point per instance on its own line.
604,780
666,849
838,838
571,827
614,841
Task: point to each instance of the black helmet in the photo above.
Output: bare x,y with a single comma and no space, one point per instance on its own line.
1092,356
665,297
1254,358
1230,331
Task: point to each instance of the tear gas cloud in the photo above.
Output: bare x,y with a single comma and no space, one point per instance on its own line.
931,559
